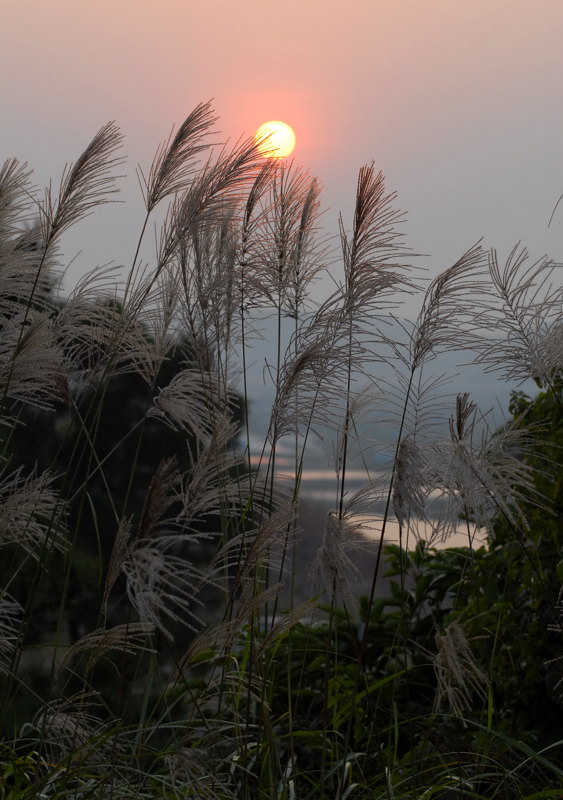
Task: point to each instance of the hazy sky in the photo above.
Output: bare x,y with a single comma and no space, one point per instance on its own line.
458,102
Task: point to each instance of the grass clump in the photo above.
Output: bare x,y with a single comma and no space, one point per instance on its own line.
152,640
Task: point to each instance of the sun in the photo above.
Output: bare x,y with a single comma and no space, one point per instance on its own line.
275,139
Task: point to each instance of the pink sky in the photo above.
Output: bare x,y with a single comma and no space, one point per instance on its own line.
458,102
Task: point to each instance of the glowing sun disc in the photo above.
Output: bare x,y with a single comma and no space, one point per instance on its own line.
275,139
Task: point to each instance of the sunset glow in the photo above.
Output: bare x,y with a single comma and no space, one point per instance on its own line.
275,139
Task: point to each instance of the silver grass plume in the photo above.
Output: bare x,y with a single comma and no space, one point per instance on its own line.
480,475
130,638
413,401
84,185
161,320
67,729
11,614
333,572
437,328
122,544
98,337
160,497
286,255
309,383
245,552
218,185
206,262
371,254
21,244
16,197
439,323
458,676
162,588
214,641
32,515
151,318
409,490
212,486
249,256
420,403
173,165
522,335
157,525
31,362
20,273
371,273
284,622
347,411
191,401
194,767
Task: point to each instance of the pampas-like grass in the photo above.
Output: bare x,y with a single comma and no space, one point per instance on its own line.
129,638
85,185
173,165
32,515
31,368
190,617
524,337
67,729
333,572
457,673
11,613
162,588
479,476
